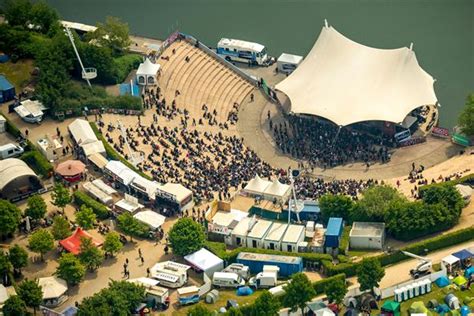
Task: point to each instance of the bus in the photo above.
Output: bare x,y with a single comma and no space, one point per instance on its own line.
243,51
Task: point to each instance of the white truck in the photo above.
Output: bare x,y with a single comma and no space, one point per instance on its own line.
10,150
238,268
227,279
266,279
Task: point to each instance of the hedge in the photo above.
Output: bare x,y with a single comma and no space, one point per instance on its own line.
344,243
99,209
219,250
10,128
320,286
114,155
37,161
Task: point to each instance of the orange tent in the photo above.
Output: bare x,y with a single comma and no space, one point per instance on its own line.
73,242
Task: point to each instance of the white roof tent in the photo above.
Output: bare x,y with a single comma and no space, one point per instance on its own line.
150,218
82,132
148,68
205,261
257,185
347,82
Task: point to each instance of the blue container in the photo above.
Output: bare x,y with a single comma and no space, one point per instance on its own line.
333,232
255,261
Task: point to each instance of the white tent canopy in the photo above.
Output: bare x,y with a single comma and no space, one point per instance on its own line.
148,68
53,287
347,82
205,261
151,218
465,190
257,185
450,259
82,132
3,294
278,189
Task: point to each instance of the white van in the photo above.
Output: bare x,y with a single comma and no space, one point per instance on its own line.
238,268
10,151
227,279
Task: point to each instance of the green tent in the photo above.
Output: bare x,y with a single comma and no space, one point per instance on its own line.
391,307
454,312
459,280
419,307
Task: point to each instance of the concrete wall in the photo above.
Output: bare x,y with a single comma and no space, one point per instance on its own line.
364,242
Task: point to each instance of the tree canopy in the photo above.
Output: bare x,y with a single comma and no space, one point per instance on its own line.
335,206
186,236
120,298
39,16
113,34
265,305
199,310
31,293
131,226
374,203
61,228
61,196
70,269
36,207
5,267
85,218
298,292
336,291
14,306
466,118
41,241
10,216
18,257
91,256
369,273
112,243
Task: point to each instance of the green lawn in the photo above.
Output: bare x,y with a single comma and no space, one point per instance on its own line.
438,294
18,73
224,295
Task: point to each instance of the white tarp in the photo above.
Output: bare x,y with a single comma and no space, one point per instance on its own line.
151,218
82,132
97,193
289,59
145,186
53,287
464,190
205,261
347,82
104,186
257,185
177,190
120,171
92,148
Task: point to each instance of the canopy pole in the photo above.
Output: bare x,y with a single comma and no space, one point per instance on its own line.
326,23
337,135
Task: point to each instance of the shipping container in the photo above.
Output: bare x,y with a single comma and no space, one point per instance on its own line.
288,265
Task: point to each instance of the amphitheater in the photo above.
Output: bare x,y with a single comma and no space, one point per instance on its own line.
201,80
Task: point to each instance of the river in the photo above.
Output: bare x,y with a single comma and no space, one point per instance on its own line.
442,30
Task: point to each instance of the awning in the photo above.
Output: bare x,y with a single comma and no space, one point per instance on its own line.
463,254
98,160
450,260
52,287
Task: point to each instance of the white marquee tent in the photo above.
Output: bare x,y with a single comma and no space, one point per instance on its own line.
278,190
82,132
205,261
257,185
347,82
151,218
147,72
53,287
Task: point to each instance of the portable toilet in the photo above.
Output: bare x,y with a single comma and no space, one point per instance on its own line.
428,285
410,291
416,288
403,293
452,301
398,295
422,287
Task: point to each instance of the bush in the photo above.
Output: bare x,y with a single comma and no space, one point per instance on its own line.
37,162
126,63
344,242
319,286
349,269
113,155
99,209
10,128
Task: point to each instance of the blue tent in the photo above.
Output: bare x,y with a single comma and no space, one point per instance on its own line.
469,272
463,254
7,90
244,291
465,310
442,281
442,309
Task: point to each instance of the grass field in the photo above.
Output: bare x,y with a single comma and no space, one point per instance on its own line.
224,295
18,73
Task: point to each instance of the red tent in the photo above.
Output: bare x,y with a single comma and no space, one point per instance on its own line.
73,242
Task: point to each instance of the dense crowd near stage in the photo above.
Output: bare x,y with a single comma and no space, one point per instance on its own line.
211,164
325,145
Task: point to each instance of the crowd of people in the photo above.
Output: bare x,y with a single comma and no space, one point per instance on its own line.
325,145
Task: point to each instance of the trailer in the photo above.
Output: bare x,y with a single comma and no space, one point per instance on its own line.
288,264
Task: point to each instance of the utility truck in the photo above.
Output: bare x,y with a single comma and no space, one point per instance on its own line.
423,268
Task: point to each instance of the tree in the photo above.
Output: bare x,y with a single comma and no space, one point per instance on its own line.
113,34
91,256
186,236
61,228
61,196
70,269
5,268
45,18
199,310
265,305
85,218
101,58
369,273
298,292
31,293
10,217
36,207
234,311
14,306
373,205
41,241
336,291
335,206
18,12
131,226
18,257
466,118
118,299
112,243
444,193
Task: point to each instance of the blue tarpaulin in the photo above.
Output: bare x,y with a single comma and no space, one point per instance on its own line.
465,310
442,309
244,291
469,272
463,254
442,281
126,89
